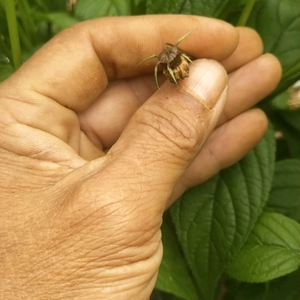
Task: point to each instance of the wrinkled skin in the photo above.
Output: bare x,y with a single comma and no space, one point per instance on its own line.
92,154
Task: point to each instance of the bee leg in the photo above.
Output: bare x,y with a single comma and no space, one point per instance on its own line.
155,75
172,74
187,58
183,37
145,59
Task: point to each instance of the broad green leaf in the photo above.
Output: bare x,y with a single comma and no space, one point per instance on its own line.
5,71
209,8
283,288
278,23
61,19
281,101
159,295
174,276
87,9
161,7
156,295
272,250
213,220
285,193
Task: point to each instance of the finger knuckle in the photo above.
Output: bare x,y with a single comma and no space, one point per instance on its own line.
179,131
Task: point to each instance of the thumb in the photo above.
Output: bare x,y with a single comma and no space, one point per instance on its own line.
167,132
129,189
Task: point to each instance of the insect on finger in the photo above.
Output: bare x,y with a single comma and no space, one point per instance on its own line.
173,60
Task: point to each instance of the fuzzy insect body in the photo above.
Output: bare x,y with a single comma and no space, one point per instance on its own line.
175,63
180,68
168,55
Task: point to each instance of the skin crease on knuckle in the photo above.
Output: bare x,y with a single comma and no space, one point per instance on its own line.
169,128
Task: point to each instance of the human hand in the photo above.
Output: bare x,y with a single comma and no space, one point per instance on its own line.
88,166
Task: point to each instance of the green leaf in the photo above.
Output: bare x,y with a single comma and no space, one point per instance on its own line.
61,19
285,193
174,276
159,295
278,23
210,8
283,288
213,220
161,7
292,117
272,250
280,102
87,9
5,71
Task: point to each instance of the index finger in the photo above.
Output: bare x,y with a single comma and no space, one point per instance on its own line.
75,66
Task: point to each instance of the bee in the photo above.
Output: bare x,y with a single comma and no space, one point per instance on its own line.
174,61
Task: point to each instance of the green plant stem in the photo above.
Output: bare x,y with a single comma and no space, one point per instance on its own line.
42,5
26,43
13,32
246,13
27,20
222,10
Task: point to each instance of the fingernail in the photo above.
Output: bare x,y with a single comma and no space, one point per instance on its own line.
207,81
